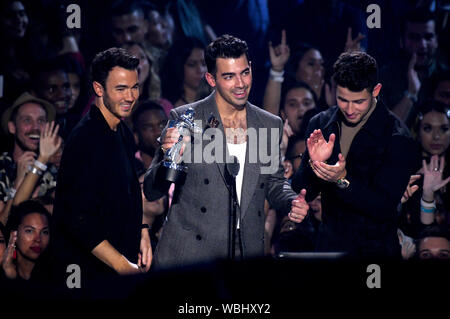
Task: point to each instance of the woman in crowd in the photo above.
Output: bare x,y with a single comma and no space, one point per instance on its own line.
289,97
306,65
29,227
297,98
149,81
431,203
150,86
183,73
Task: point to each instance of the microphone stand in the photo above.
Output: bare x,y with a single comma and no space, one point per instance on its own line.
231,172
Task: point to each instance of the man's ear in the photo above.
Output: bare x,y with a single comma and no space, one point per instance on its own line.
98,88
210,79
11,127
136,139
376,90
283,115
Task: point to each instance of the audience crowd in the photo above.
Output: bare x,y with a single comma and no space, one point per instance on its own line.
45,91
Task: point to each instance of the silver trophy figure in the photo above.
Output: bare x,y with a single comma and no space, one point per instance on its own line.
173,169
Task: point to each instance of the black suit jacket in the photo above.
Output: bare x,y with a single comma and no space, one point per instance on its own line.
98,197
362,219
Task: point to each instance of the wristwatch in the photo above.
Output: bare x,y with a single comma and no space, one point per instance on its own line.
342,183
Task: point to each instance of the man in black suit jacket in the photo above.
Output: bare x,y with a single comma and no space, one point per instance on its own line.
363,169
197,226
98,205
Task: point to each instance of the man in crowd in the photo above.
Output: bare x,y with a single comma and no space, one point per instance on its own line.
130,25
406,77
51,83
198,226
24,120
363,169
434,243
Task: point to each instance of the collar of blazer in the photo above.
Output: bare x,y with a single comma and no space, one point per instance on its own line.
374,124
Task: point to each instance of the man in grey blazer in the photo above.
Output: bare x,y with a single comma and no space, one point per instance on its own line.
197,226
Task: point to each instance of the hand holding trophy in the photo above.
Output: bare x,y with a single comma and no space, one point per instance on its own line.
172,168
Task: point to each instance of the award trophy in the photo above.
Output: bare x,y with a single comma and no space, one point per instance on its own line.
172,169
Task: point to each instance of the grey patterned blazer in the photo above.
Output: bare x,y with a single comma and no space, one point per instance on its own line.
196,228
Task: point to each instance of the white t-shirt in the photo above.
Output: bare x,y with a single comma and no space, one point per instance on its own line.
238,150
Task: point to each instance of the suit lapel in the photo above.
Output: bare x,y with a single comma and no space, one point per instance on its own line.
210,111
251,170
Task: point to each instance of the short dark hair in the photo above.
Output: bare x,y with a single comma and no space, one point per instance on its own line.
226,46
434,231
123,7
291,84
433,105
41,70
106,60
417,15
25,208
144,107
356,71
438,78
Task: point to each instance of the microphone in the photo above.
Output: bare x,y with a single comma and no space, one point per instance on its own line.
233,166
232,169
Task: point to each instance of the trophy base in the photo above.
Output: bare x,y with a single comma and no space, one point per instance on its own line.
172,175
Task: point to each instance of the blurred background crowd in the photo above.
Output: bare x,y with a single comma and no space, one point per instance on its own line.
292,47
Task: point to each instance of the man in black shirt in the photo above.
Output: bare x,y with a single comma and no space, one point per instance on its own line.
360,157
98,207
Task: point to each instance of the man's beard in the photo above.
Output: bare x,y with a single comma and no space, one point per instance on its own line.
22,146
107,102
373,103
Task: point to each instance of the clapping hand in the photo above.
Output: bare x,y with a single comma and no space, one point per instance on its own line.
319,149
330,173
